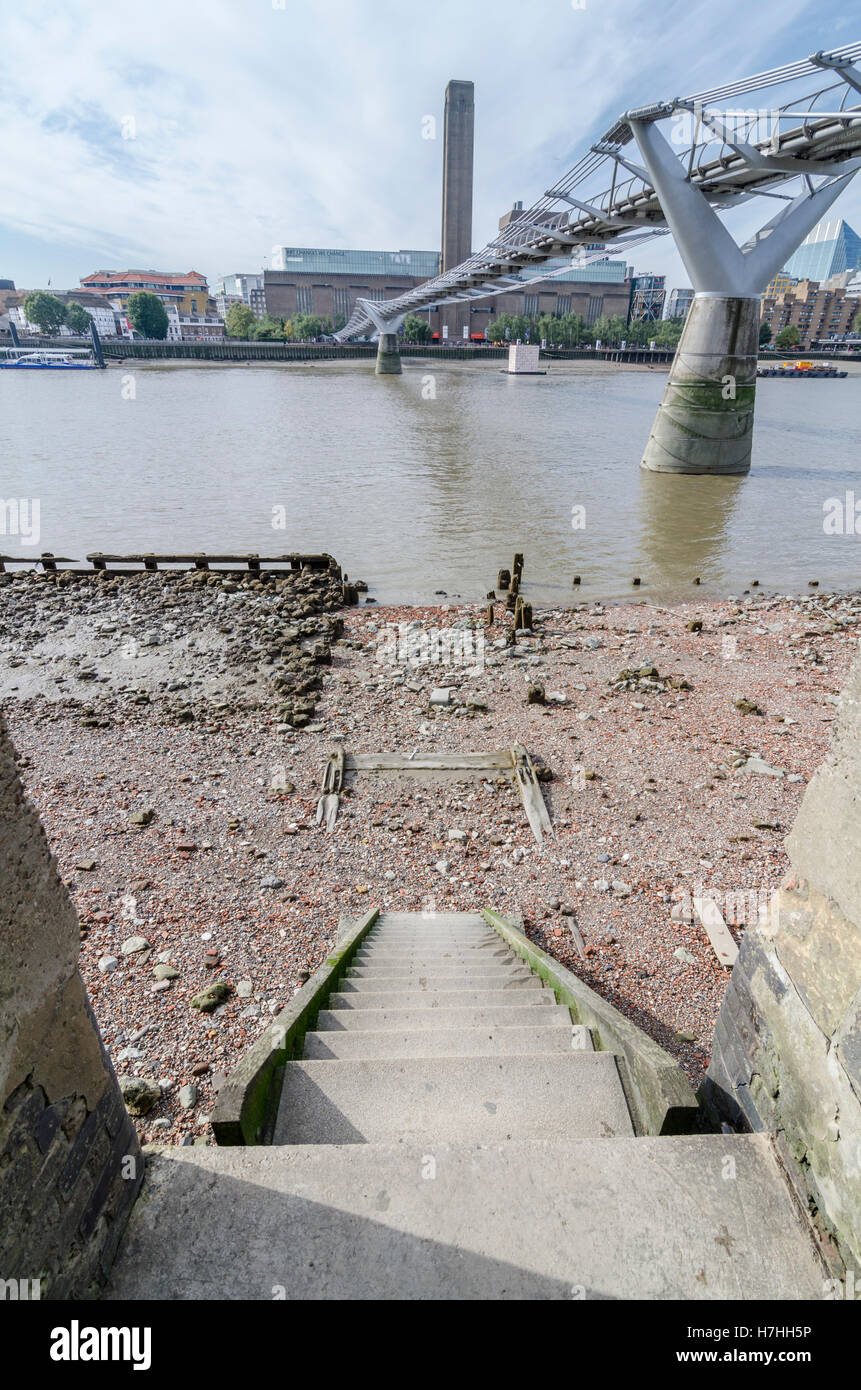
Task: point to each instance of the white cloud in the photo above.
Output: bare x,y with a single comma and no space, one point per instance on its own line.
255,125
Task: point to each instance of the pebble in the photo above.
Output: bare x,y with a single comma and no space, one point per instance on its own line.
107,964
139,1094
133,944
641,797
681,954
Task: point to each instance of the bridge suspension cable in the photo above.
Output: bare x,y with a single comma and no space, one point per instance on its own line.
724,154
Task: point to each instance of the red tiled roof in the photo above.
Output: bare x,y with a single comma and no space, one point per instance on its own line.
123,277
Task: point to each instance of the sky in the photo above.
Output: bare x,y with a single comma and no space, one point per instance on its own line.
188,135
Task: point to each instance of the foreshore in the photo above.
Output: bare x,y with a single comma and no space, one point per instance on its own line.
174,729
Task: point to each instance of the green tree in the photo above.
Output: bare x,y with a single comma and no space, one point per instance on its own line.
788,337
268,330
856,323
240,321
764,335
77,319
146,314
416,330
666,333
610,330
310,326
45,310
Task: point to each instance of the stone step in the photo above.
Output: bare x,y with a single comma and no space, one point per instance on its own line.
419,928
648,1218
403,974
452,1100
418,919
446,1042
408,957
376,981
434,999
440,965
504,1016
422,939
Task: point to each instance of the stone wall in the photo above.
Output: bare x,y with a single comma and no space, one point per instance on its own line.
787,1047
70,1164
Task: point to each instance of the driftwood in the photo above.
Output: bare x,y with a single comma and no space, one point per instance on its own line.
333,782
513,763
530,794
716,930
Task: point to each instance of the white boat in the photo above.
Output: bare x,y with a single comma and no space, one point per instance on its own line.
50,359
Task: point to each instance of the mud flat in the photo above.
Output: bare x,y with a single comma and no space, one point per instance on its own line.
174,729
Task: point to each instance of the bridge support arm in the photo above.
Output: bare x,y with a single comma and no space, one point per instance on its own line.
388,352
705,421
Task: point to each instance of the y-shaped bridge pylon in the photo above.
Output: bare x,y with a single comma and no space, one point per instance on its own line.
705,421
388,353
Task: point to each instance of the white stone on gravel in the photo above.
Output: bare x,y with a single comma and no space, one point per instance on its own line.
133,944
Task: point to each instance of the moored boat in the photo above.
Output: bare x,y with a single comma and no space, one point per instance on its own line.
47,359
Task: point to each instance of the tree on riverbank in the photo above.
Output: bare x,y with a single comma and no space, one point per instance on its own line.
45,310
416,330
307,326
572,330
77,319
764,335
146,314
788,337
240,321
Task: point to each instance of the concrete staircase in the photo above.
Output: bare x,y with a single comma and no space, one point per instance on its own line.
448,1133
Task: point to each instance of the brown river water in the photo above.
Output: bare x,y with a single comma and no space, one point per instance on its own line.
430,481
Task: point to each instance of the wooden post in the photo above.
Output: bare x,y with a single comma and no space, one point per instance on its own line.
503,579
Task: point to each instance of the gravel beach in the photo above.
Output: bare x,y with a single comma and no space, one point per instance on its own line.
173,730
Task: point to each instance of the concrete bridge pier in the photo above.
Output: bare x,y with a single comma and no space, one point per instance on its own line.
705,420
388,355
388,351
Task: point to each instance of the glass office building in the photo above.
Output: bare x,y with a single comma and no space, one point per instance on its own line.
304,260
829,249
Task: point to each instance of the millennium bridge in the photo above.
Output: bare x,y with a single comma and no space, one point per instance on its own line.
673,167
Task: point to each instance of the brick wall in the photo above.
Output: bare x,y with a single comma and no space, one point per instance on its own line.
70,1164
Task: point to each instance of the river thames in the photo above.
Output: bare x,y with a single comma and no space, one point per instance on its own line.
430,481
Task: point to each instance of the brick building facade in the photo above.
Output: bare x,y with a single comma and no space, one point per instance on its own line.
816,312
